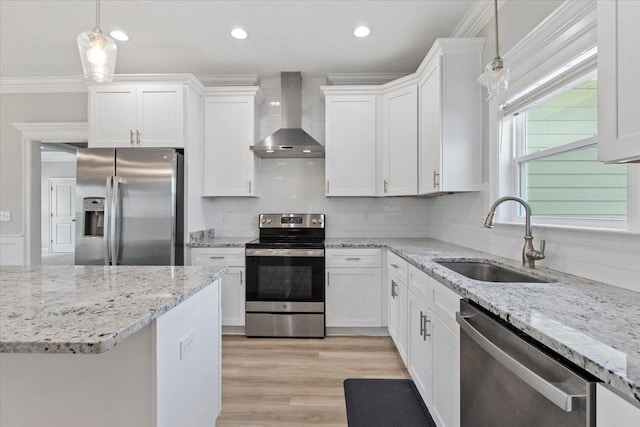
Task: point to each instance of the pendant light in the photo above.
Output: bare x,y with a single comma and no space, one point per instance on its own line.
496,74
97,53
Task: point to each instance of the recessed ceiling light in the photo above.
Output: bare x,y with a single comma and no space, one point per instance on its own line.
361,31
269,151
119,35
239,33
306,151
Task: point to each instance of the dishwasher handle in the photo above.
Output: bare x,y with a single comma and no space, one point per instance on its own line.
565,401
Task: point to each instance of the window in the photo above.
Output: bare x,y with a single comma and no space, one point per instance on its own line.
551,132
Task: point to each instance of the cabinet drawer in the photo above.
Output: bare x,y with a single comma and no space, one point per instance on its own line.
231,257
419,283
356,258
398,266
444,302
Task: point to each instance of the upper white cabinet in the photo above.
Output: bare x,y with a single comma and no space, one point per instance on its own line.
137,115
230,167
450,128
400,138
351,130
618,83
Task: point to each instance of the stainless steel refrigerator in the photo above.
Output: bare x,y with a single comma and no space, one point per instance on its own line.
129,207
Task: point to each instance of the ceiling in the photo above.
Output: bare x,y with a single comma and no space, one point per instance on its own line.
38,38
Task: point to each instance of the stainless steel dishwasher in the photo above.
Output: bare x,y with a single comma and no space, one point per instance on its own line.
507,381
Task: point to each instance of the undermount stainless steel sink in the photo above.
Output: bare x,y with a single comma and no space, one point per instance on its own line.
488,272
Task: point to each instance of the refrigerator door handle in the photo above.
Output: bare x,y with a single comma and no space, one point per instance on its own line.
107,220
116,220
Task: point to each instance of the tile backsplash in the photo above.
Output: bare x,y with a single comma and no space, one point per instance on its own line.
297,186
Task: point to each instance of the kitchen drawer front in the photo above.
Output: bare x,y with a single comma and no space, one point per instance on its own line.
398,266
223,257
419,284
444,302
352,258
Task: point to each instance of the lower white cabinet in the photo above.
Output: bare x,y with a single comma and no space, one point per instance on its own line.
420,364
353,288
613,410
446,374
398,328
232,284
353,297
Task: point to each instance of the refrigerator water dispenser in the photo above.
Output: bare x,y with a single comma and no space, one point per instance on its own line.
93,215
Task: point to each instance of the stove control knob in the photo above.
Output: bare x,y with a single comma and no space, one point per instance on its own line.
314,221
263,220
268,221
319,220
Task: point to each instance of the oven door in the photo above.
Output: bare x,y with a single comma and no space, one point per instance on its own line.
295,275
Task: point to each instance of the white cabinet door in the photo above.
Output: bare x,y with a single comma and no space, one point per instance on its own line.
398,328
613,410
420,348
446,374
618,83
112,116
430,129
401,141
228,134
63,214
351,145
233,297
160,116
353,297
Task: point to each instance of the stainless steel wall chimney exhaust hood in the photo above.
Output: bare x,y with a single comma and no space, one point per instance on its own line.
290,140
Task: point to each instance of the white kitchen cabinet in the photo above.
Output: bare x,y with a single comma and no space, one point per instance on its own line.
420,364
446,374
398,327
350,163
137,115
450,107
232,284
400,138
230,167
613,410
618,83
353,288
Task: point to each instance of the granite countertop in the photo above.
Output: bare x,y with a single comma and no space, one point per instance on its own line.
88,309
221,242
594,325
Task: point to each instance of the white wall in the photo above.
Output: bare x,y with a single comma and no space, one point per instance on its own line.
48,170
608,257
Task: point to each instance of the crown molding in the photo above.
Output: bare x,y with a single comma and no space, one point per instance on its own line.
337,79
476,18
351,90
68,84
229,80
54,131
255,91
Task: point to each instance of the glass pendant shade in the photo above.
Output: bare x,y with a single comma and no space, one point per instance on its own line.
98,56
497,76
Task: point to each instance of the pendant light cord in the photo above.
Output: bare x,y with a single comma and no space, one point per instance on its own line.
495,4
97,14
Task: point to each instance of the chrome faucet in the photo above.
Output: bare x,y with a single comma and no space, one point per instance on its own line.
529,253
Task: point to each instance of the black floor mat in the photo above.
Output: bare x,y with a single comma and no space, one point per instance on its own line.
373,402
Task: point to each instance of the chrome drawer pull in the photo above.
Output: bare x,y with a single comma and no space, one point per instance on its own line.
216,257
354,259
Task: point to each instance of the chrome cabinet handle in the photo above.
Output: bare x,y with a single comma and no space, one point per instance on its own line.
396,266
353,259
386,184
425,333
249,186
216,257
436,181
566,401
328,278
138,137
241,278
328,188
421,324
131,136
393,289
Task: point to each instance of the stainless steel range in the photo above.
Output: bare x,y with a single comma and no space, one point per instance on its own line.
285,277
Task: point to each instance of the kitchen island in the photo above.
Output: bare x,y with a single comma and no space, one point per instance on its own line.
109,346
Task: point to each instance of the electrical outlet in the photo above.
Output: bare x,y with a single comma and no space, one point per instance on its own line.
186,345
226,217
5,215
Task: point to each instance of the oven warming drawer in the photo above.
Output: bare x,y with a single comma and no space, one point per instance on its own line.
300,325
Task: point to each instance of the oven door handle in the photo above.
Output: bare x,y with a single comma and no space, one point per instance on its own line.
318,253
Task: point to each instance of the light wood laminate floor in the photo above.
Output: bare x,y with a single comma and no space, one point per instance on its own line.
298,382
